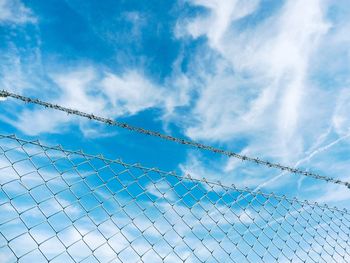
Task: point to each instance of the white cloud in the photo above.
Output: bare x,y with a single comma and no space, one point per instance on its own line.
89,90
260,80
275,55
341,119
13,75
334,194
15,12
280,83
240,174
33,122
222,14
131,92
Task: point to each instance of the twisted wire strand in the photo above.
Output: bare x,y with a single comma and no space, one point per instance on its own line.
4,93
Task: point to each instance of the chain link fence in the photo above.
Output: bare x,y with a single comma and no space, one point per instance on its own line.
66,206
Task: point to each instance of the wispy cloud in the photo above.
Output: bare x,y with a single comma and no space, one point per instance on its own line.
259,81
15,12
89,89
260,78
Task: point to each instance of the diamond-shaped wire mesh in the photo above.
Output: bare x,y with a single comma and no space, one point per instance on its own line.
65,206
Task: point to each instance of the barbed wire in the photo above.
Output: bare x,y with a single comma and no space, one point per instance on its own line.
59,205
4,93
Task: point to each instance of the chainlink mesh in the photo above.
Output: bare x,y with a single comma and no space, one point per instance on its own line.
65,206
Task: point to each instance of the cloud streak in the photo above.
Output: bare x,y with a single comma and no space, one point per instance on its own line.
262,82
15,12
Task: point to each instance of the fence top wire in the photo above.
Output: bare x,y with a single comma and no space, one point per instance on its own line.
4,93
187,177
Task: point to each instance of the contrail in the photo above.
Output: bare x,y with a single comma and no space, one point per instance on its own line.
305,159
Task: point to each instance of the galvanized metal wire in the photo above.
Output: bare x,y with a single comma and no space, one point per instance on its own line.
197,145
58,205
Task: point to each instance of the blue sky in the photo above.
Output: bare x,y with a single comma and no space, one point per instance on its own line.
263,78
